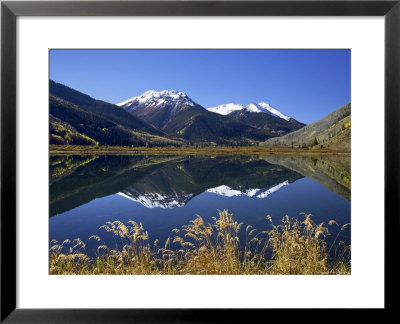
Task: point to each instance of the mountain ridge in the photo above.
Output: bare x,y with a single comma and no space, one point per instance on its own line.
110,111
333,132
171,117
178,115
78,119
261,107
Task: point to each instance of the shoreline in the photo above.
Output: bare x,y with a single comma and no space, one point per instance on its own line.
219,150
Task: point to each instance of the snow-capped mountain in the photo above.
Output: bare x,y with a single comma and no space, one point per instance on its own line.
261,107
151,100
179,116
226,109
258,193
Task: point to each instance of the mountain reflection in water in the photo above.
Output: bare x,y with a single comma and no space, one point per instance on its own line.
167,192
170,182
158,181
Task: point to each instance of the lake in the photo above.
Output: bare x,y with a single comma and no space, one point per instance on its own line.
166,192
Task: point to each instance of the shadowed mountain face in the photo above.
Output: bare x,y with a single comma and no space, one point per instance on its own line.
260,115
196,124
77,119
106,110
274,125
166,182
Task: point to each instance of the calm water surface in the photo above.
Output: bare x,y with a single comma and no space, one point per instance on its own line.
164,193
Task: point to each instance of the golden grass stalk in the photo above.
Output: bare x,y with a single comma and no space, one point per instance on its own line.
292,247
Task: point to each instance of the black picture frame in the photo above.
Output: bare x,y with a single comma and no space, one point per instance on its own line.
10,10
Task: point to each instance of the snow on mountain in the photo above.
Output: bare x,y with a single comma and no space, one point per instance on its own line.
153,199
261,107
267,108
226,109
173,99
154,98
258,193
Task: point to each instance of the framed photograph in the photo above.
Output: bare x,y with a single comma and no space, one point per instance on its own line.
163,158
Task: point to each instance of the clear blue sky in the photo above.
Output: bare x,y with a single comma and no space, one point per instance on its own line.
304,84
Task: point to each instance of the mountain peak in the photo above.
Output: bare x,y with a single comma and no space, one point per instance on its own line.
157,97
173,93
261,107
226,108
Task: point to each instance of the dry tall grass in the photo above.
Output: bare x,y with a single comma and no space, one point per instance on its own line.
293,247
